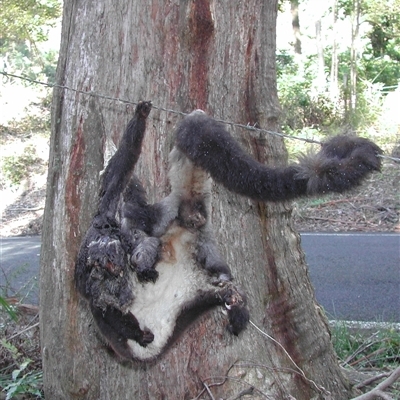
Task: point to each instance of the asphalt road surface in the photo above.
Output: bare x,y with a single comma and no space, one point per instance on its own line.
19,267
356,276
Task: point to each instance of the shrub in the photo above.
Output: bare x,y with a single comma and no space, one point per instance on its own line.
16,167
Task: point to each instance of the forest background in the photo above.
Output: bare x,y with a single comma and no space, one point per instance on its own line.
338,72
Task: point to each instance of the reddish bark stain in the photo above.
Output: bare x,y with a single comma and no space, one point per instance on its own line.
171,46
201,27
280,310
73,206
154,12
134,54
73,183
251,71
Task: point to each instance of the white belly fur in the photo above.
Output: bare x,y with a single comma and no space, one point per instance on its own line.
157,306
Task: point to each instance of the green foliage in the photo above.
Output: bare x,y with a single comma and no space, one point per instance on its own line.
50,59
19,58
381,56
15,168
346,6
27,20
8,308
19,375
369,94
37,118
21,381
369,105
383,70
381,349
24,24
308,104
302,105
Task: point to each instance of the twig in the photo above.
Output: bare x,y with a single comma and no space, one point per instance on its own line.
29,309
361,348
373,379
333,202
368,357
26,209
320,389
379,390
24,330
210,385
242,381
326,219
244,392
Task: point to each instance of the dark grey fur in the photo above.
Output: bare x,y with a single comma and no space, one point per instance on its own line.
342,163
131,242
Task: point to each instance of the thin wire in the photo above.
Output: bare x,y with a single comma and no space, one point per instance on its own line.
168,110
395,159
118,99
319,388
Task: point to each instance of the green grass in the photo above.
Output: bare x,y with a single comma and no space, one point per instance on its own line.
20,375
380,349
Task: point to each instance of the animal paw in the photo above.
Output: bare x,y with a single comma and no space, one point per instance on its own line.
144,258
147,274
107,253
221,280
143,108
147,338
238,314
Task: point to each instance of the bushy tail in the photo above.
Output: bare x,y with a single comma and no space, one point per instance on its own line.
342,163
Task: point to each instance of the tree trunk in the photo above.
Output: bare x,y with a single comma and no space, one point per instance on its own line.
294,9
355,28
320,80
334,84
182,55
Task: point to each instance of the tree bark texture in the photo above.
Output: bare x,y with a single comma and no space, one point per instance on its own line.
218,56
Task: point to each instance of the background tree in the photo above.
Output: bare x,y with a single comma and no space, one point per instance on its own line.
23,25
334,84
354,54
381,59
358,42
294,8
320,80
218,56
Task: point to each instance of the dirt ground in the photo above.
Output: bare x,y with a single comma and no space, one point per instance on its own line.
373,207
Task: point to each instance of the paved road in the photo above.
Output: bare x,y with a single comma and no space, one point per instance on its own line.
356,276
19,267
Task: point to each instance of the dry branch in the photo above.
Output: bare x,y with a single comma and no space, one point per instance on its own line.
373,379
378,391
